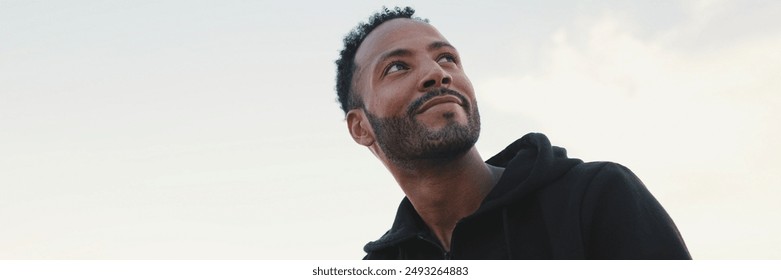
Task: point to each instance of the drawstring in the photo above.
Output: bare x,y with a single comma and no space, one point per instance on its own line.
507,234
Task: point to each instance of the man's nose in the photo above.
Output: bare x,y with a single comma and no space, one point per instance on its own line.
434,77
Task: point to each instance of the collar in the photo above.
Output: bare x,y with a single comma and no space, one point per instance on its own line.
407,225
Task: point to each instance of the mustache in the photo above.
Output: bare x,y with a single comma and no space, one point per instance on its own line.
415,105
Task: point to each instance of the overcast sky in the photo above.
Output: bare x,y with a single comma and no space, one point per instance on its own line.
210,130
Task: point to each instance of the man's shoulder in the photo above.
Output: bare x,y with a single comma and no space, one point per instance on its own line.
598,172
605,176
594,178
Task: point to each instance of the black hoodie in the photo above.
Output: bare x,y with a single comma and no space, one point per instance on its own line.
546,206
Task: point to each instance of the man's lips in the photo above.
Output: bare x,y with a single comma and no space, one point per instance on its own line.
439,100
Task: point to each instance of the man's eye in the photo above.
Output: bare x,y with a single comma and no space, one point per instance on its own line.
446,58
396,66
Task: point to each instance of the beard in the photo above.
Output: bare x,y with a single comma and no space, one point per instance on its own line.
406,141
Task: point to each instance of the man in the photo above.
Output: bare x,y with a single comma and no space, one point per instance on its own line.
406,97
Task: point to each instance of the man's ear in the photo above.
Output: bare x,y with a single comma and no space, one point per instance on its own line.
359,127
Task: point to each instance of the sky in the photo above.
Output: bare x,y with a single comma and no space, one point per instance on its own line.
209,129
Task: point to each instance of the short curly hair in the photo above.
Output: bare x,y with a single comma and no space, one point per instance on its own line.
345,65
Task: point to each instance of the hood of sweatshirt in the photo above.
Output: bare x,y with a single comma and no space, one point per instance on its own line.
530,164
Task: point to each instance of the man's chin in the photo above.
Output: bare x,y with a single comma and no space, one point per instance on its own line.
446,152
426,137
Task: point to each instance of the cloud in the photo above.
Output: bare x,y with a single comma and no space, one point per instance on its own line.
695,123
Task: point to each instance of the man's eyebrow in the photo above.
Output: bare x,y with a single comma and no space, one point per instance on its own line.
405,52
395,53
438,45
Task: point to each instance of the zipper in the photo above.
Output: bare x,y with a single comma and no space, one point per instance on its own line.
445,254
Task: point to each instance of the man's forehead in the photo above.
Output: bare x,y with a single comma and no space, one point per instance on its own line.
390,34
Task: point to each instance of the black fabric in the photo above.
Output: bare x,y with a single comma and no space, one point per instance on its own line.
546,206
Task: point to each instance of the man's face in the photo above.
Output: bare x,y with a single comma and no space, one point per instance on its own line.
416,96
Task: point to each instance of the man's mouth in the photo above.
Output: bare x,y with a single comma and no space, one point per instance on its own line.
438,100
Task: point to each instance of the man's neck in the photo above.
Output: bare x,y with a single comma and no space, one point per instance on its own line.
448,191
